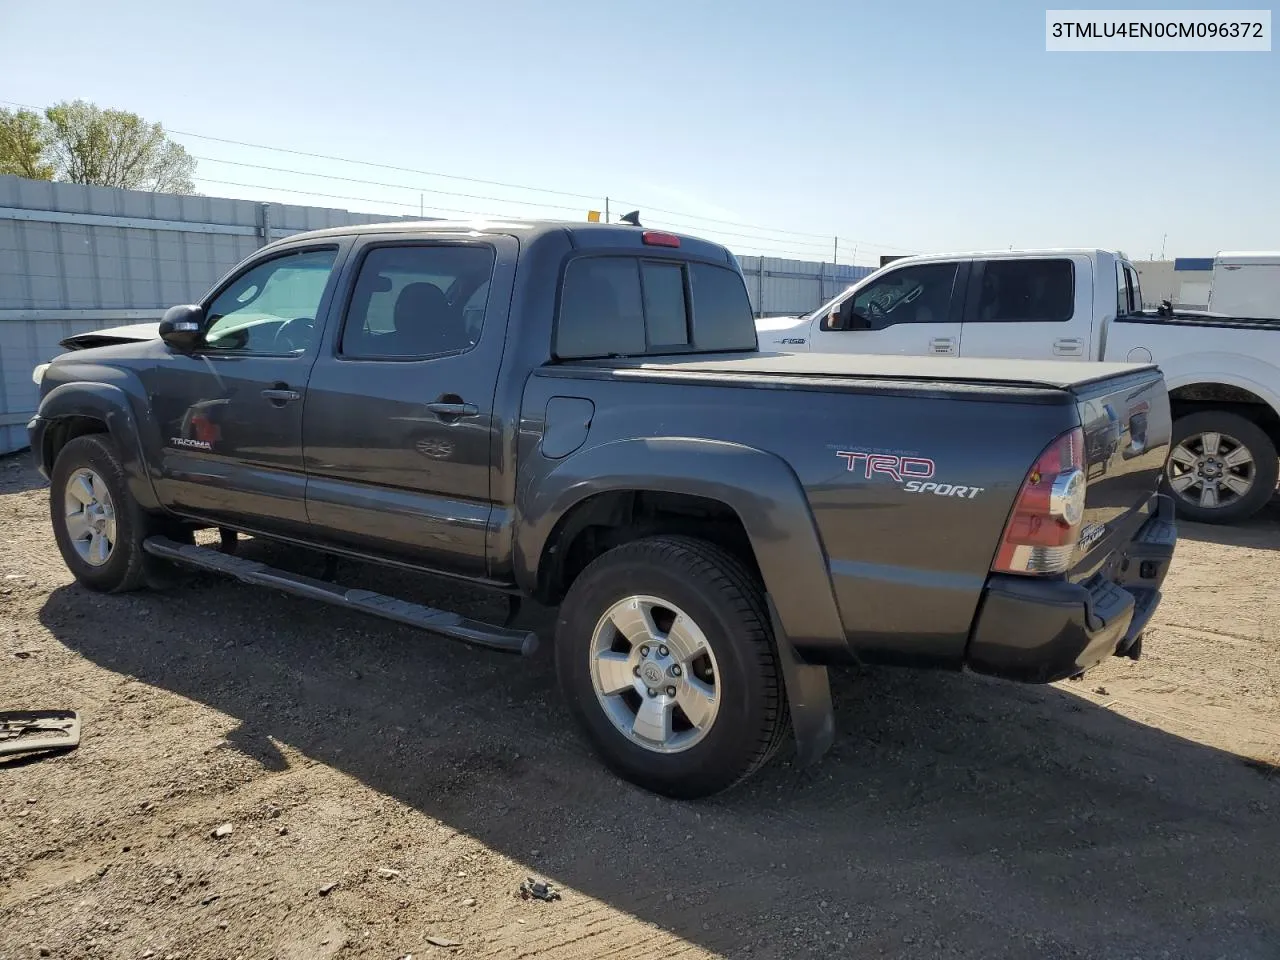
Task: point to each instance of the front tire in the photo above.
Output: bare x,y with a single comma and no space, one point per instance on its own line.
1222,467
666,657
98,526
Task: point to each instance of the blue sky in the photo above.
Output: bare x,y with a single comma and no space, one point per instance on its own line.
898,126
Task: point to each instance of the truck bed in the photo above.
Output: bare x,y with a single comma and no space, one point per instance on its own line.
1202,318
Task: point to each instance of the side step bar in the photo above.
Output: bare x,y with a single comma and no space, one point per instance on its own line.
448,624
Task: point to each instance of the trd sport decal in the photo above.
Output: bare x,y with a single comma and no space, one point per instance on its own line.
898,468
913,473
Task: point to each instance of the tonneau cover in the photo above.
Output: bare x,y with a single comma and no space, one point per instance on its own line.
1055,374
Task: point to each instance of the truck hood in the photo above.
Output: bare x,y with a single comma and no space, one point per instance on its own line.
776,323
132,333
787,334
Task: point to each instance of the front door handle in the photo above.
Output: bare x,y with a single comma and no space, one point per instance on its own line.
452,410
280,395
942,345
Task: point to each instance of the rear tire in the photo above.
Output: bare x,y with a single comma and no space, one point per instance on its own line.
97,524
677,596
1244,454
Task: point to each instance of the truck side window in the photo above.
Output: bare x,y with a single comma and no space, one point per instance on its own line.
915,294
270,309
1026,290
417,301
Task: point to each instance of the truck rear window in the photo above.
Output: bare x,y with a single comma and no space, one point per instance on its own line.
629,306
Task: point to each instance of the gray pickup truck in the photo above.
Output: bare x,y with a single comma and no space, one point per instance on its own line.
579,414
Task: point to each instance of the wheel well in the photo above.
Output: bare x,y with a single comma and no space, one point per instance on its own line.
62,431
1199,397
608,520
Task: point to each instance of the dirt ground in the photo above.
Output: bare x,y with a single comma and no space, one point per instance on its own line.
384,787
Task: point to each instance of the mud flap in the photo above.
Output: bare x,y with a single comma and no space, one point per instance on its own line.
809,697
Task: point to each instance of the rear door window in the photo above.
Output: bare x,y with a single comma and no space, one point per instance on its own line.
1026,291
628,306
417,301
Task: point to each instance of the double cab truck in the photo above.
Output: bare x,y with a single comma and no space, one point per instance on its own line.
580,414
1222,368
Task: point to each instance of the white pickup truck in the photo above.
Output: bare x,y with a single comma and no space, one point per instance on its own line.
1223,371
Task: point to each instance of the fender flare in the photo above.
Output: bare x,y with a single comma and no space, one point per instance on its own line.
109,404
1228,369
765,494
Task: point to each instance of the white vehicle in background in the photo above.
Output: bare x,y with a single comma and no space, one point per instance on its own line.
1245,285
1222,366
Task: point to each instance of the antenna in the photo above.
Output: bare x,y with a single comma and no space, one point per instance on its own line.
632,218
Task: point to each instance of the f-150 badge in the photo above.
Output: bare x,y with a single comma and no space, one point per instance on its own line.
914,474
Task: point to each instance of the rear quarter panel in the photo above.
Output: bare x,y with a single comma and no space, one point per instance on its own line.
906,566
1189,353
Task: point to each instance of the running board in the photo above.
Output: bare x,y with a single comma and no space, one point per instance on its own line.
448,624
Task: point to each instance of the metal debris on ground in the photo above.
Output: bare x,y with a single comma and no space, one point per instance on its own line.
28,731
443,942
538,889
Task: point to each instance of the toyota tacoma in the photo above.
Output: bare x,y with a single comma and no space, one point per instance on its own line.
579,414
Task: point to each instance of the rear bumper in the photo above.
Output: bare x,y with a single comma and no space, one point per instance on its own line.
1039,631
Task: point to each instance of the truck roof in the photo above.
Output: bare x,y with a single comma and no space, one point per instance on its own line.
582,232
1008,254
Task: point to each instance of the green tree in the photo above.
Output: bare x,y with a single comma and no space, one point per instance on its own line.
24,144
114,148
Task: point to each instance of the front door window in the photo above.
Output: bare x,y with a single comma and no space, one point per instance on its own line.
270,309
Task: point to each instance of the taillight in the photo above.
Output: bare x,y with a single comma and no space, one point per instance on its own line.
1043,529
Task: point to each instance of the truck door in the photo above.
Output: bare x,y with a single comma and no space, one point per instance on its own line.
230,409
399,424
1035,308
912,310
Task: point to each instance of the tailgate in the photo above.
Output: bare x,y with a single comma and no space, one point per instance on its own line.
1127,428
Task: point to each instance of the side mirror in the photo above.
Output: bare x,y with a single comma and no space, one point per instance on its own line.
844,317
181,327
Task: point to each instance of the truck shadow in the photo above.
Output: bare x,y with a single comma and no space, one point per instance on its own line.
17,474
1260,532
954,814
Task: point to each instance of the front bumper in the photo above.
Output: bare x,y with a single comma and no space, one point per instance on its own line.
1039,631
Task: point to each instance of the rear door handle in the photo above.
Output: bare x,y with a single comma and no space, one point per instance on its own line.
280,396
448,410
1068,347
943,345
